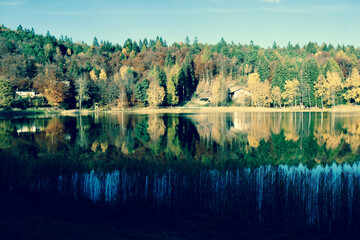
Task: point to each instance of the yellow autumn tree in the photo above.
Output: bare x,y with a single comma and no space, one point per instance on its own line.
253,86
217,89
332,87
93,75
260,91
156,94
265,93
352,84
156,128
68,52
102,75
291,92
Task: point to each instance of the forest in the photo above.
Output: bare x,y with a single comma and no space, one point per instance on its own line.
151,73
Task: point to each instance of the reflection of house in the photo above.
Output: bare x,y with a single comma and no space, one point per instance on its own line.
238,92
26,94
242,123
29,129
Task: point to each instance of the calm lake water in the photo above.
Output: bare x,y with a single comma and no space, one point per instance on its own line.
272,167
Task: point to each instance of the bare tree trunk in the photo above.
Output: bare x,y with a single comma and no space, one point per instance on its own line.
322,103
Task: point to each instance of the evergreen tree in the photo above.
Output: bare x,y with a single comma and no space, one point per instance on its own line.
290,47
135,47
169,60
95,42
172,97
263,67
187,80
310,75
140,92
274,45
187,41
279,77
128,45
311,47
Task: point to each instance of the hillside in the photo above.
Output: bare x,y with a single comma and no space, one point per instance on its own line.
152,73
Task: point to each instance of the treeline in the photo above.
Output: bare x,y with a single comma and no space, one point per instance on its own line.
151,73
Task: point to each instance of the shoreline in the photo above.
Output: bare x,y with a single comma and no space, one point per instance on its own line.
50,111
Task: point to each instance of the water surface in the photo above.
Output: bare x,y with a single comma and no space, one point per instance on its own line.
285,167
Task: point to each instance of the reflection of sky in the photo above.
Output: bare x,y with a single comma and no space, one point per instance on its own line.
263,21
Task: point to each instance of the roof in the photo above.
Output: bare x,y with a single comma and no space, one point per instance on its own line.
25,91
236,88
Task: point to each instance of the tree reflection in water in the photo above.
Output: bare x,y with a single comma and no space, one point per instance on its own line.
190,149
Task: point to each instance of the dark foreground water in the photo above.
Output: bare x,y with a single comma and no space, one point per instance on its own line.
292,169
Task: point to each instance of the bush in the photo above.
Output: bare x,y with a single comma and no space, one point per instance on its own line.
22,103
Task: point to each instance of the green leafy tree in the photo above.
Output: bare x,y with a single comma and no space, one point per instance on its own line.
206,56
332,66
6,93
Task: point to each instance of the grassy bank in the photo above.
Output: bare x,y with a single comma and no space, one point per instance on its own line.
28,112
230,109
183,109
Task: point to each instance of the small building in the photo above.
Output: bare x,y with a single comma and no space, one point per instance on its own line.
26,94
239,92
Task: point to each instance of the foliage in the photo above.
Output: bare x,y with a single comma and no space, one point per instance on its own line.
332,87
82,90
353,86
156,94
140,92
6,93
291,92
114,72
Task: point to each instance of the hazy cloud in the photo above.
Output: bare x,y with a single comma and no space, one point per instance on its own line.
10,3
271,1
66,13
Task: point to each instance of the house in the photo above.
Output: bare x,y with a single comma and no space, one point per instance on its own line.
239,92
26,94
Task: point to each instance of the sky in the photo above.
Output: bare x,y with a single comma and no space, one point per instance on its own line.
263,21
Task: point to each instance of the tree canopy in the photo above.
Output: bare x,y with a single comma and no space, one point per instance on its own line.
69,74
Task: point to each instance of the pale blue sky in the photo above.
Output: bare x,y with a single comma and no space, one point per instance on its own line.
263,21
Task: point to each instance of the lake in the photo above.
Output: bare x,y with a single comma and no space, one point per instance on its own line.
291,168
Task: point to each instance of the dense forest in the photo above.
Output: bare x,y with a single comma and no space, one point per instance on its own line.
151,73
